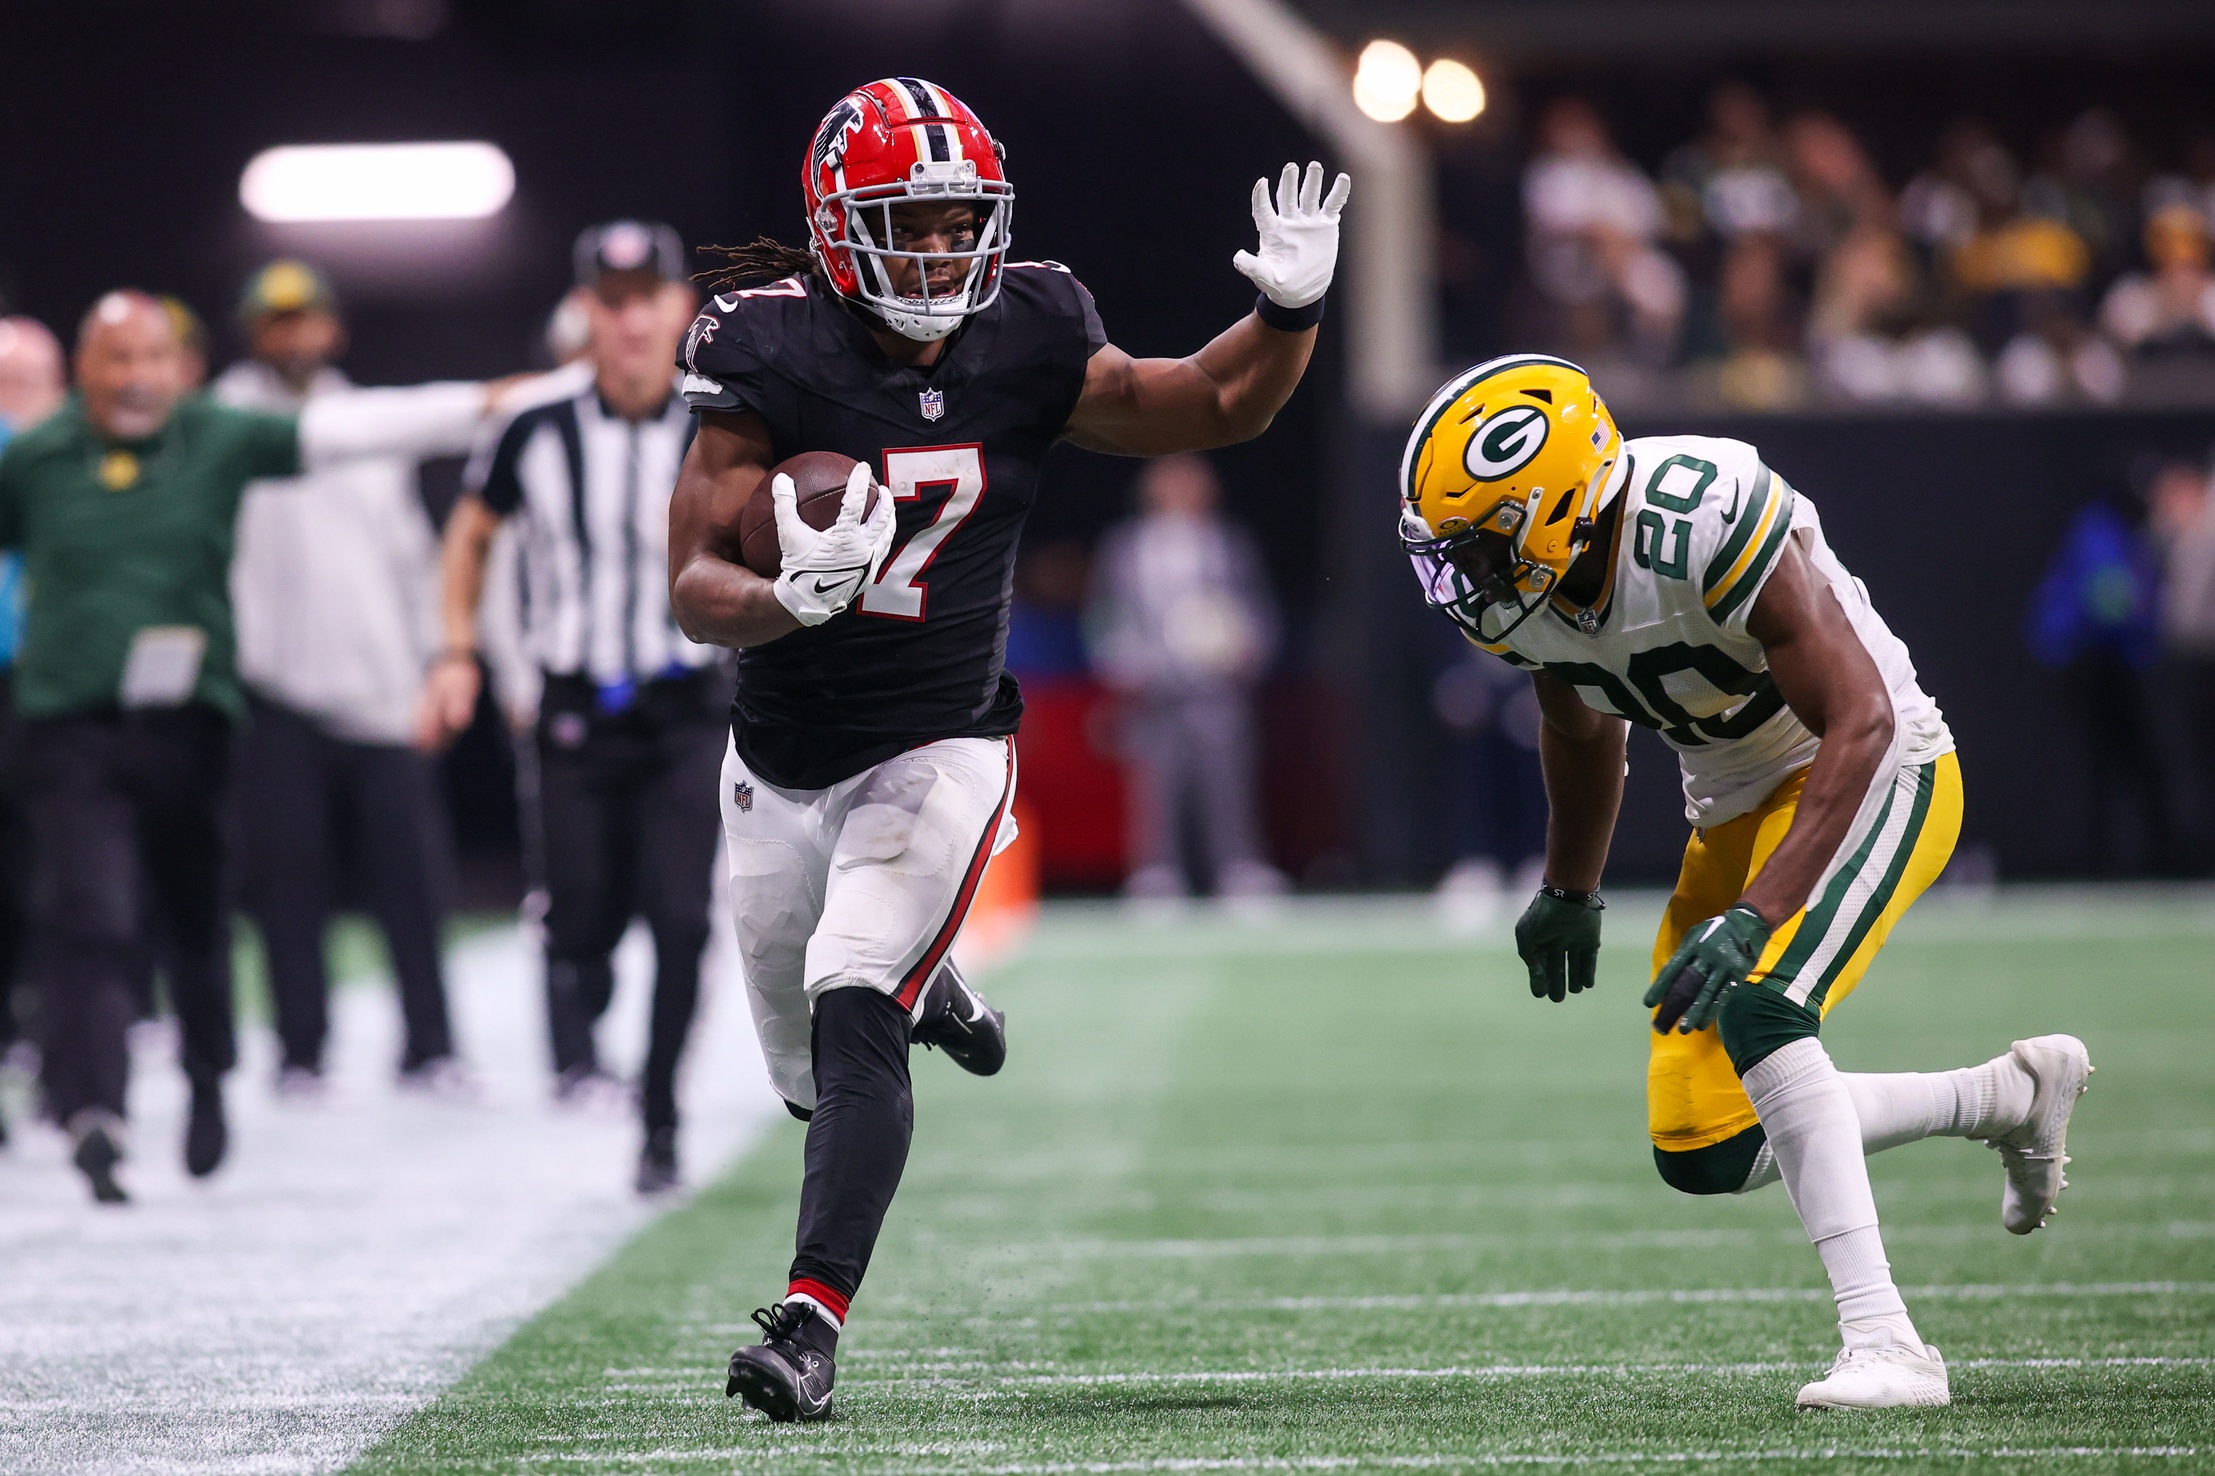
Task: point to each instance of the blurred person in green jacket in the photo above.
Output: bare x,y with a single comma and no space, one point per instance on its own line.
122,507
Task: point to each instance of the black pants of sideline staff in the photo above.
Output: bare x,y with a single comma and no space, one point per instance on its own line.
121,802
628,805
303,790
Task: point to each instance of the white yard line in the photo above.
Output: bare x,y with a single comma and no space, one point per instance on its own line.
353,1257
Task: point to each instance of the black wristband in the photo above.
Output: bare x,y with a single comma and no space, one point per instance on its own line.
1563,894
1288,320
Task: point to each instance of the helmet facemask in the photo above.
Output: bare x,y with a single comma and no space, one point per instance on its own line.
1477,569
860,223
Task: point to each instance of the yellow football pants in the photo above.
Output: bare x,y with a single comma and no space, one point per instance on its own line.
1693,1097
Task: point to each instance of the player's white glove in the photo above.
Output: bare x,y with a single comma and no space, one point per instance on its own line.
823,572
1299,237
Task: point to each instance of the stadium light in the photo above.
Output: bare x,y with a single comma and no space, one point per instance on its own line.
1387,81
1452,92
406,181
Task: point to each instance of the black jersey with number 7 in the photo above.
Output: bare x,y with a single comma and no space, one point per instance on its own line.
921,655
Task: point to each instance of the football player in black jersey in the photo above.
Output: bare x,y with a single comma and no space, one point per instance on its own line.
872,762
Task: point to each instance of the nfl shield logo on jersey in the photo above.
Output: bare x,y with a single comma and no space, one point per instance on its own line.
934,403
742,795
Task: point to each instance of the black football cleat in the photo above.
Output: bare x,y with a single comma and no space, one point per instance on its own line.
788,1376
96,1158
207,1136
657,1163
956,1020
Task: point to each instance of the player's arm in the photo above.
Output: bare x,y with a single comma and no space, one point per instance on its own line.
715,597
1230,390
1226,393
1580,752
1828,679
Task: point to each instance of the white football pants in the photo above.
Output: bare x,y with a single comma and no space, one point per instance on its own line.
863,884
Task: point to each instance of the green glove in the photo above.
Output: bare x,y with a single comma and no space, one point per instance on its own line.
1559,938
1715,958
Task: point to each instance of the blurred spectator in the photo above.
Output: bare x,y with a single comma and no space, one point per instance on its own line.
1593,219
2095,618
32,387
2182,517
2057,357
1731,180
192,340
2192,186
31,383
335,586
1761,367
2171,309
1046,623
1499,824
1874,331
2011,257
2090,184
1182,626
122,505
1841,195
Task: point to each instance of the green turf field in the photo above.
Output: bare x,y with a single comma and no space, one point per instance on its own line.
1335,1193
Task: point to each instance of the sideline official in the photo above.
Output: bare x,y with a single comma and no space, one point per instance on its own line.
122,505
630,730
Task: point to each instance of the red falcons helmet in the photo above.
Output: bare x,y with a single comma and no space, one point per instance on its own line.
891,142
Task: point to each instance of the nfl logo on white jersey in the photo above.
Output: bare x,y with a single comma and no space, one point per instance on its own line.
934,403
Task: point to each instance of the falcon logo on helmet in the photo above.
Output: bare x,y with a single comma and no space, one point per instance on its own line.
1495,506
897,142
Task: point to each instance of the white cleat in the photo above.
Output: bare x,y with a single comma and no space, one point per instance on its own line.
2035,1154
1889,1376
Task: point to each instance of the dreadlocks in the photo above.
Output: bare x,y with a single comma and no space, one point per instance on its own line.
764,259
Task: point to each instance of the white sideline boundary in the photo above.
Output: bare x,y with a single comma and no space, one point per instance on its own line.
353,1257
761,1456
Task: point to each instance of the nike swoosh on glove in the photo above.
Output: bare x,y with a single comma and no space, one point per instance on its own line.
1716,957
1299,237
824,571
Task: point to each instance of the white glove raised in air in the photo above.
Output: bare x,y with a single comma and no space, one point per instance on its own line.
1299,237
824,571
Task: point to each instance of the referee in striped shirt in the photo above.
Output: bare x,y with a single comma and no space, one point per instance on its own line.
630,730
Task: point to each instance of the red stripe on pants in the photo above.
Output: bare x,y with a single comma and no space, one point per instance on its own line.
912,986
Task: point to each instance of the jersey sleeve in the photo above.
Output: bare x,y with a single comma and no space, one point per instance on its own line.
722,368
266,445
1095,336
1747,551
491,473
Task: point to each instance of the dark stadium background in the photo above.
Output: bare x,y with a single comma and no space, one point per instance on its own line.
1133,138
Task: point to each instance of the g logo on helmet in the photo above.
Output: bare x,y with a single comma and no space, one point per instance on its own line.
1504,444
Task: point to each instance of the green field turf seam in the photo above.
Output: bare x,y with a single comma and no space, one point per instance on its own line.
645,1380
1431,1461
1579,1297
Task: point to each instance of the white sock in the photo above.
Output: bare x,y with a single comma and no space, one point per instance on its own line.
1909,1106
1809,1116
1973,1102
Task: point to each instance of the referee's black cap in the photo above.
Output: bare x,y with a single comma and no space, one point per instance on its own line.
628,246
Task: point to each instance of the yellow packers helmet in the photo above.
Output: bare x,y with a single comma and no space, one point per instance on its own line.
1501,484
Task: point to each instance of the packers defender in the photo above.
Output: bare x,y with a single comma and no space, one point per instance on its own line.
1678,583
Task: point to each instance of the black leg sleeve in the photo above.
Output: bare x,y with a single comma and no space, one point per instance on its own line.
858,1139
